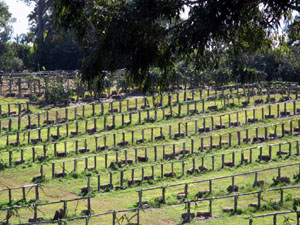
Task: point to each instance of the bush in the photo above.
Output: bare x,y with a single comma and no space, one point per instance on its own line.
2,165
57,93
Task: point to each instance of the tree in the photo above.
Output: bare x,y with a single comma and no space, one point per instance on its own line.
5,30
17,55
139,34
39,18
53,49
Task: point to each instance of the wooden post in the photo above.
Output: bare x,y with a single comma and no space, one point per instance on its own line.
235,203
151,134
139,116
161,171
89,184
192,146
132,136
9,195
140,192
53,170
279,173
121,178
114,121
163,195
259,199
10,158
42,171
8,109
186,128
210,207
123,137
115,142
223,159
33,154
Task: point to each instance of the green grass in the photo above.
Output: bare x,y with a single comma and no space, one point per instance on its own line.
169,213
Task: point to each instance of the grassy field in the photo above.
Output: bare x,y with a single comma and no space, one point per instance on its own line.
170,212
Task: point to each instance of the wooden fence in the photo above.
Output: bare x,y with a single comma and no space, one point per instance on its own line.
181,130
141,154
88,217
188,215
274,215
109,108
53,117
23,189
231,188
167,169
12,85
22,108
61,213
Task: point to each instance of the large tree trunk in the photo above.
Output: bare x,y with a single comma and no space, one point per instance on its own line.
40,31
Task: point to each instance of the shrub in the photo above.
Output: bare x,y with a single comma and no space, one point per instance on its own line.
57,93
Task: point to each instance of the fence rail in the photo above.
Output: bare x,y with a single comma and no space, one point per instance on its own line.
210,182
188,215
181,130
275,216
119,176
60,214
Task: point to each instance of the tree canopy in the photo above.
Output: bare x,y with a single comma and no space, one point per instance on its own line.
54,49
140,34
5,28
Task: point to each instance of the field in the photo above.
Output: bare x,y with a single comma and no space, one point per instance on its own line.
201,156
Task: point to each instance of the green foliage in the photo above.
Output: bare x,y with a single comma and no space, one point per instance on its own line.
296,203
38,180
269,206
58,52
16,56
141,35
3,165
57,93
221,76
5,31
125,219
75,175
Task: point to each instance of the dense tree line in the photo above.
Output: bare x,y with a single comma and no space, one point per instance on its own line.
151,40
154,46
45,47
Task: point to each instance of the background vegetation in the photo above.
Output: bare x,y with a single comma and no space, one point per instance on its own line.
151,44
